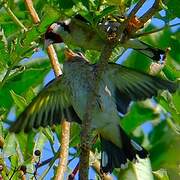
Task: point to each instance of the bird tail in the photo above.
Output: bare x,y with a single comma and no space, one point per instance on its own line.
153,53
113,156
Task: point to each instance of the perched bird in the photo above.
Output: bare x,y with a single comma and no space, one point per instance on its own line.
78,31
67,97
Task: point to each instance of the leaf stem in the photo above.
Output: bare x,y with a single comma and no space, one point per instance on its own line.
155,30
13,16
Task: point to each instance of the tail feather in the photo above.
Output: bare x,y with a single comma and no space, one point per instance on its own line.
155,54
113,156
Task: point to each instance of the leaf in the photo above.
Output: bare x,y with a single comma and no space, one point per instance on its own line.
18,100
171,103
49,134
170,73
161,174
66,4
137,61
26,143
138,171
10,145
40,141
138,114
143,169
173,8
75,135
20,83
165,149
106,11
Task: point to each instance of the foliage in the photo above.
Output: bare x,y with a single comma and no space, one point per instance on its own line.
23,70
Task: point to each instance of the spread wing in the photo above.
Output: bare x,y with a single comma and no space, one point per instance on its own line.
50,106
131,85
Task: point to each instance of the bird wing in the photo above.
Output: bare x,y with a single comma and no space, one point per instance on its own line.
131,85
50,106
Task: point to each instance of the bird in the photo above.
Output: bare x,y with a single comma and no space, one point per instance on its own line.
79,32
67,96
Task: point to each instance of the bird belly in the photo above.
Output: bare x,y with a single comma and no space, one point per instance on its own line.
104,114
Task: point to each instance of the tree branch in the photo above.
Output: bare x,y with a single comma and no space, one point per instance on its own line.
96,167
135,9
148,15
137,35
86,124
32,11
127,21
65,133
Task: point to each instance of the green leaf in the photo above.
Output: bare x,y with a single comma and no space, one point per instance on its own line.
10,145
173,8
20,83
165,149
161,174
138,114
143,169
49,134
171,104
75,135
66,4
26,143
40,141
170,73
138,171
18,100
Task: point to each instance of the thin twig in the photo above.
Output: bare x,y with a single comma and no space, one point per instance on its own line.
54,60
13,16
32,11
5,77
154,31
129,18
49,165
23,176
148,15
85,136
73,174
65,132
63,156
96,167
135,9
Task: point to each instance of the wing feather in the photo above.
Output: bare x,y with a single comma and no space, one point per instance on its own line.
47,108
131,85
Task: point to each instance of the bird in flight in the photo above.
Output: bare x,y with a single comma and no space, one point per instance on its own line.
67,97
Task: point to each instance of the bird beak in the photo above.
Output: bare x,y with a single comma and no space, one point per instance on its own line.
69,54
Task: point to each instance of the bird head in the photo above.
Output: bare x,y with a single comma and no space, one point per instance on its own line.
56,31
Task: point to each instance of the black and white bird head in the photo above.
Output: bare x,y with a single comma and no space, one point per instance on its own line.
56,31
